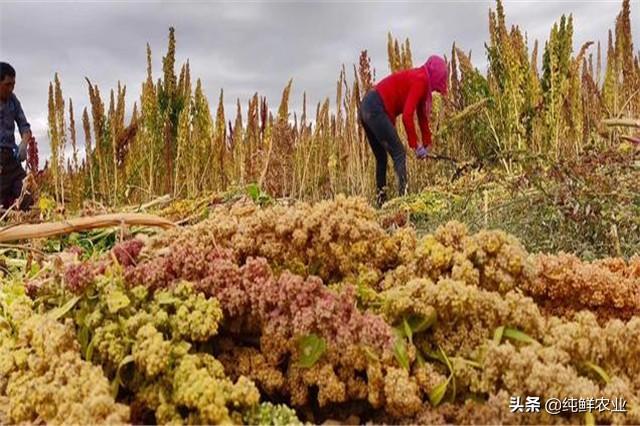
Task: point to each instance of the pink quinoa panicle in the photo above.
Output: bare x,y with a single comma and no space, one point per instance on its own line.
228,284
128,251
32,287
182,260
192,261
33,160
291,305
155,273
78,276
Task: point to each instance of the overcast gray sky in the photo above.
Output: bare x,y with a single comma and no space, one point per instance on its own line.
244,47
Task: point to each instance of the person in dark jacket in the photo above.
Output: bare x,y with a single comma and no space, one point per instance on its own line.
12,155
402,93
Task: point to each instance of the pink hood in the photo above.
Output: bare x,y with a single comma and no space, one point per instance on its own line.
438,75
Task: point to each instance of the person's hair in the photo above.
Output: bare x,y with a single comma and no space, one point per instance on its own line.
6,70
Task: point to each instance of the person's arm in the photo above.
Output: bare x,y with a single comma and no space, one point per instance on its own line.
423,120
410,105
25,130
23,125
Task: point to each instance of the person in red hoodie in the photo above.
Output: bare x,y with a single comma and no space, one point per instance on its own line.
404,92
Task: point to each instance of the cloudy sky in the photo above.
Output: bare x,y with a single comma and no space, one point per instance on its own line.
247,47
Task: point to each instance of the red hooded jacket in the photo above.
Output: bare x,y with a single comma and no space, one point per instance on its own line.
404,92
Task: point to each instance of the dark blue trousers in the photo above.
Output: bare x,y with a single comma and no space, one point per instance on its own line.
384,140
11,176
